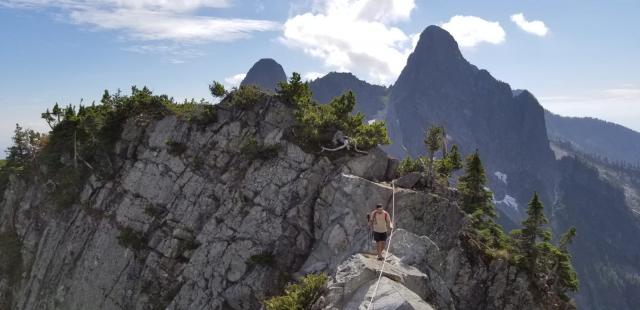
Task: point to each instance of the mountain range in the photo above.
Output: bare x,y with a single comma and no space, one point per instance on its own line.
513,132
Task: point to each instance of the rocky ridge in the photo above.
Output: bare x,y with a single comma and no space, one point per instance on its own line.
218,228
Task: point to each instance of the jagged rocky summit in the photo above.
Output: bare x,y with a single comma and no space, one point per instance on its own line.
216,227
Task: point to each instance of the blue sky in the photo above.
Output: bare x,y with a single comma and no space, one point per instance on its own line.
578,57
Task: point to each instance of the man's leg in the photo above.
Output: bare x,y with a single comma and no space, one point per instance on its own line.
380,246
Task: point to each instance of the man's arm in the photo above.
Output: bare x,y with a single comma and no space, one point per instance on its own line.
388,217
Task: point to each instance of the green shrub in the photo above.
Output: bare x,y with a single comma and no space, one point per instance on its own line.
244,97
408,165
217,90
317,123
254,150
199,113
262,259
131,239
153,212
176,148
299,296
68,187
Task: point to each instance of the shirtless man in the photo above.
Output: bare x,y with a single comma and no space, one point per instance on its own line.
380,223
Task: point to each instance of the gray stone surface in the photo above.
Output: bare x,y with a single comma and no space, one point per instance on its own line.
408,180
206,216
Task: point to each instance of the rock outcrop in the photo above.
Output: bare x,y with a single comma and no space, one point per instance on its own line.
218,228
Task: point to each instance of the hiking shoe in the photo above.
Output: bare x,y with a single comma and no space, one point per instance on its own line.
380,258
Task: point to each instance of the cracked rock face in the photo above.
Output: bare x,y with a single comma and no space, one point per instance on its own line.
215,228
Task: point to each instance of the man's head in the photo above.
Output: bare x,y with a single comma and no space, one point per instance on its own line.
378,207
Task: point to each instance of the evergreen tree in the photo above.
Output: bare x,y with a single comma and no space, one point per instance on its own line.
26,144
217,90
433,142
56,112
566,239
454,158
295,92
563,276
533,230
448,164
475,198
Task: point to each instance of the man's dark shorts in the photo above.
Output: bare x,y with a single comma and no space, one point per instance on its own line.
377,236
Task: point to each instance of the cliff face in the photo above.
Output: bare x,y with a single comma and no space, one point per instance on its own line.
220,227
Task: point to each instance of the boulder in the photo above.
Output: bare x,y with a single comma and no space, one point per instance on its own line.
401,285
408,180
372,166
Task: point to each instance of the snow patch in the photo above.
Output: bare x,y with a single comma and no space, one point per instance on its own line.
501,176
509,201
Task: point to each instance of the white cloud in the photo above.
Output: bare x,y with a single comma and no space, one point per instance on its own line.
536,27
235,80
310,76
172,52
159,25
174,21
354,35
470,31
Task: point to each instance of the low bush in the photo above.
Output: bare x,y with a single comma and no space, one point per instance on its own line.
199,113
299,296
262,259
318,123
408,165
244,97
254,150
132,239
176,148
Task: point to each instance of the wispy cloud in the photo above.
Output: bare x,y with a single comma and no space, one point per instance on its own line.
235,80
174,53
536,27
310,76
354,35
470,31
175,21
619,104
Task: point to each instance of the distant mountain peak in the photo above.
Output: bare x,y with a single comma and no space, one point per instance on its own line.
266,73
436,41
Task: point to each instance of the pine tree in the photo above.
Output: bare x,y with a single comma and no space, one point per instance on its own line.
295,92
475,198
217,90
454,158
566,239
563,276
433,142
26,144
533,231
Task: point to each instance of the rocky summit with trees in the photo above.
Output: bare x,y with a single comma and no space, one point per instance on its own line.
257,201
